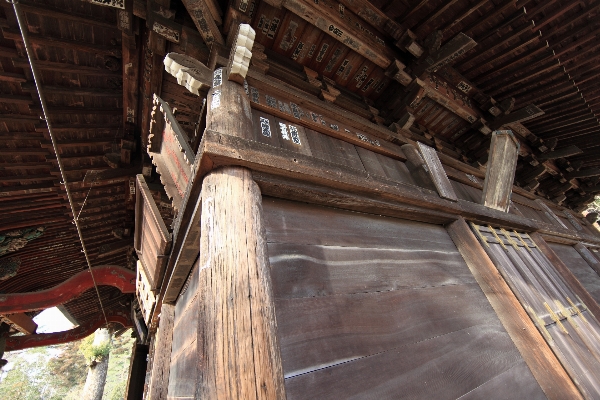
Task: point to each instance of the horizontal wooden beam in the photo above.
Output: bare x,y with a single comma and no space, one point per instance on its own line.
118,277
73,91
63,15
14,343
66,68
22,322
99,49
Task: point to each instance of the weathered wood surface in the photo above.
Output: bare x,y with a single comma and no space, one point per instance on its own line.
368,306
500,173
170,151
544,365
566,274
184,370
21,321
161,360
436,172
581,267
152,240
550,293
239,343
228,150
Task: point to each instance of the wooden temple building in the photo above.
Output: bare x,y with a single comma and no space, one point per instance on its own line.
308,199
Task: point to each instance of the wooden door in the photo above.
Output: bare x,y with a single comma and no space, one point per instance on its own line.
383,308
561,316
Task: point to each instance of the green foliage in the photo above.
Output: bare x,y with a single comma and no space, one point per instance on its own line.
18,385
94,353
59,372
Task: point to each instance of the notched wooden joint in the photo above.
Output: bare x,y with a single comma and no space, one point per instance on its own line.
241,53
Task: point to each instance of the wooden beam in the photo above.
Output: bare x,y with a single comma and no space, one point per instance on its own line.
524,114
14,343
15,99
321,16
66,68
23,322
446,55
44,40
584,173
203,19
73,91
564,152
540,359
118,277
63,15
500,173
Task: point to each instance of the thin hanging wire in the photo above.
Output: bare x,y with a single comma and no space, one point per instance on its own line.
38,84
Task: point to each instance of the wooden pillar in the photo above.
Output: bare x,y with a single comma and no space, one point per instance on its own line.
137,372
542,362
500,173
237,343
159,378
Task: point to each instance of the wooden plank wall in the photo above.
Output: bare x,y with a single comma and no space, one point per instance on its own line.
579,267
185,360
370,306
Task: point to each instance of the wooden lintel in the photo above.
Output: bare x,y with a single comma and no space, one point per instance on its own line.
500,172
584,173
321,16
446,55
563,152
524,114
204,21
23,322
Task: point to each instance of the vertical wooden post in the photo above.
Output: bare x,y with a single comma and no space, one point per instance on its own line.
237,344
159,378
500,173
137,372
542,362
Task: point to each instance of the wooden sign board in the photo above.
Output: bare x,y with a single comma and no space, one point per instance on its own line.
152,240
436,172
170,151
500,173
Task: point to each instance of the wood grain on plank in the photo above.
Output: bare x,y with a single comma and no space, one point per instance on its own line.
542,362
319,270
580,267
436,172
427,369
159,381
238,337
500,172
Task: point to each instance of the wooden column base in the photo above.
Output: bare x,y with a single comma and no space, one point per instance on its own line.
240,356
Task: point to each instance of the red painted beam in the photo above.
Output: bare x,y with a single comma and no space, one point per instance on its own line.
47,339
121,278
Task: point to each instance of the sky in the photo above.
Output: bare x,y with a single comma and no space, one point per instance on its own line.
52,320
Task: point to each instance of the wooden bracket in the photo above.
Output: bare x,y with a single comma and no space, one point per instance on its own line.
500,172
436,172
190,73
241,53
